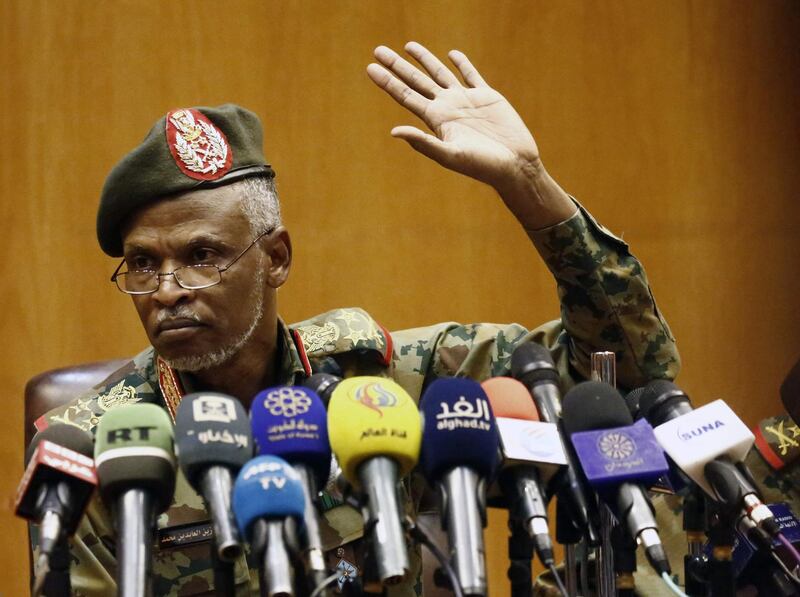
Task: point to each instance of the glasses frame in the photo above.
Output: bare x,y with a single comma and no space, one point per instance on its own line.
159,275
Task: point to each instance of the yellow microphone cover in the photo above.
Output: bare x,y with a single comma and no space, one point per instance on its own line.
373,416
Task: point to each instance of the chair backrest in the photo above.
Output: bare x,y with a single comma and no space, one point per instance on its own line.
53,388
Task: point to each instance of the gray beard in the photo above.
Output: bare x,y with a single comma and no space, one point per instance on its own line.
224,354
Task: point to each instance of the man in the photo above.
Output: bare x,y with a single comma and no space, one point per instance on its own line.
194,214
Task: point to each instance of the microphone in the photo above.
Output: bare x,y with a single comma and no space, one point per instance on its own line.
267,492
135,464
708,444
533,365
323,384
54,491
375,432
459,453
615,455
213,441
291,422
532,454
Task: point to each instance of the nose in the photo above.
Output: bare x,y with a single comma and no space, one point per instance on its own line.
169,292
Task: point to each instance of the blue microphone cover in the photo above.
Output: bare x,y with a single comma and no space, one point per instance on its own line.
211,429
267,487
458,429
291,422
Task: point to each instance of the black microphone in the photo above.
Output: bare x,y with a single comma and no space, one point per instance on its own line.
135,461
533,365
213,441
708,448
57,485
323,384
595,405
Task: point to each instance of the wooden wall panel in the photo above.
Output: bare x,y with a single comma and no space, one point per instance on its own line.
675,122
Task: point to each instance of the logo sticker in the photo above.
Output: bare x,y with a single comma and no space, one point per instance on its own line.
287,402
214,408
198,147
616,445
374,396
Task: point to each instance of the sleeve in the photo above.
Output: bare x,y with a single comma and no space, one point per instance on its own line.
606,302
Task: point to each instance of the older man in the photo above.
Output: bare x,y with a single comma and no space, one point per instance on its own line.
194,215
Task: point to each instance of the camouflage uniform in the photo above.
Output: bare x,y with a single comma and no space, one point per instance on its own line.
606,304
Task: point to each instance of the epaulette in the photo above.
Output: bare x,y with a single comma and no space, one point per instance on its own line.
339,333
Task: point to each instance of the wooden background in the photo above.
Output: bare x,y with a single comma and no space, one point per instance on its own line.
676,123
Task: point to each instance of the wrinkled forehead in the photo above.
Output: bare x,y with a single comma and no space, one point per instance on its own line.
216,210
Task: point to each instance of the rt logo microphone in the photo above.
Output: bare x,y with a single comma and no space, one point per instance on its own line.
128,434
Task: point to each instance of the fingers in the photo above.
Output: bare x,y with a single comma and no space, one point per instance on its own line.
427,144
401,92
436,69
471,75
404,70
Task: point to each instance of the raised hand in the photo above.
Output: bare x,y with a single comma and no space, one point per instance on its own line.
476,131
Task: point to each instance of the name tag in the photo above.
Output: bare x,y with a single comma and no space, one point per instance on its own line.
183,535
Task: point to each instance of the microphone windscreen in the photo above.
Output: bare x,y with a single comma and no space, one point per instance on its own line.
266,487
323,384
211,429
373,416
134,450
510,399
533,363
658,394
632,400
66,436
458,429
594,405
291,422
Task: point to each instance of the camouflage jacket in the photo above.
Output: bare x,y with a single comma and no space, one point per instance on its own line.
606,304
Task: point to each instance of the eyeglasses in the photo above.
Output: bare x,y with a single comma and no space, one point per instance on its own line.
191,277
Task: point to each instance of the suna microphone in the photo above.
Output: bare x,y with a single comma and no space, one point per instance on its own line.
213,441
267,492
532,453
57,484
459,454
709,444
375,432
135,461
533,365
291,422
616,456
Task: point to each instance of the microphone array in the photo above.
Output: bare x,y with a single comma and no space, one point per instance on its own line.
508,442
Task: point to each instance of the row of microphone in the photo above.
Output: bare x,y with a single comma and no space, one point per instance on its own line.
506,442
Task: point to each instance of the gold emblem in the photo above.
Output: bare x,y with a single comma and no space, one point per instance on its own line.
118,395
317,337
786,437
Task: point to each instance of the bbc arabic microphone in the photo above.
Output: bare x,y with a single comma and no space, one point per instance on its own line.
135,461
375,432
533,365
709,445
268,492
460,452
616,456
532,454
213,441
54,491
291,422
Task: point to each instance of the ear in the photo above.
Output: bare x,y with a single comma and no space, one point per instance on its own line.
278,248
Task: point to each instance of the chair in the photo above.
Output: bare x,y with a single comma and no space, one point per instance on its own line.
53,388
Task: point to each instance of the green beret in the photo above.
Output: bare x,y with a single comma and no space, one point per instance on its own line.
190,148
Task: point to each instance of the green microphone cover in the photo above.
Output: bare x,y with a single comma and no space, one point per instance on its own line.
134,450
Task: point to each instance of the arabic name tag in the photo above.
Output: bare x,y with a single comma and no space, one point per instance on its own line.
188,534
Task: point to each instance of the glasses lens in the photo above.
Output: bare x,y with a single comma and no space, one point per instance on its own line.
197,276
137,281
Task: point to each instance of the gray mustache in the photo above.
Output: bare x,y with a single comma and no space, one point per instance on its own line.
179,312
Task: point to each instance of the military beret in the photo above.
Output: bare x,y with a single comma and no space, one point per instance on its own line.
190,148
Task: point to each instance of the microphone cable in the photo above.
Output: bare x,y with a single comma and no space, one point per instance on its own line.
421,536
325,584
790,548
554,571
672,586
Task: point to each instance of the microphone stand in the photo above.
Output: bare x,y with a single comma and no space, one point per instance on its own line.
136,517
224,577
604,369
568,535
520,554
56,582
694,525
722,535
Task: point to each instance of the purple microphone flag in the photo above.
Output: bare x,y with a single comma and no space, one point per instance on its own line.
619,454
